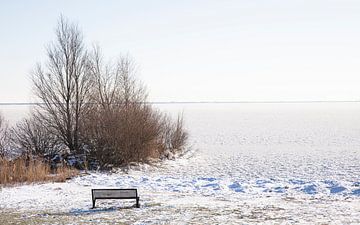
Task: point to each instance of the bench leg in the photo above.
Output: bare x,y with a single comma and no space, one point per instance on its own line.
94,203
137,202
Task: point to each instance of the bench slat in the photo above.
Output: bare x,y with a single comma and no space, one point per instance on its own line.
115,193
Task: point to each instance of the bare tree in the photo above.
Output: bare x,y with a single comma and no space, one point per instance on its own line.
115,84
63,85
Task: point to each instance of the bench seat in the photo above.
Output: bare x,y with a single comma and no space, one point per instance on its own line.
115,194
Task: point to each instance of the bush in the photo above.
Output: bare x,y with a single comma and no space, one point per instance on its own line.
133,134
174,134
126,135
34,138
4,136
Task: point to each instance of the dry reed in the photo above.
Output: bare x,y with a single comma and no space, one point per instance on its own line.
27,171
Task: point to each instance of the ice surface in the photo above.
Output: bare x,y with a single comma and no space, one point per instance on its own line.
248,163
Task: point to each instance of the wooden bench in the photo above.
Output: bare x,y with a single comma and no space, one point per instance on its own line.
115,194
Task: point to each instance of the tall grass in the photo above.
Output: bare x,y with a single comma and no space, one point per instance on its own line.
23,170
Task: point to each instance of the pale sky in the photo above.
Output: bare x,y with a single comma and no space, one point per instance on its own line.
192,50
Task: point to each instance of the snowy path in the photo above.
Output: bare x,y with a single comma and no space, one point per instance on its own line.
251,163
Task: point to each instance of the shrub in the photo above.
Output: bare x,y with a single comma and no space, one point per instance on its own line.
174,134
34,138
4,136
126,135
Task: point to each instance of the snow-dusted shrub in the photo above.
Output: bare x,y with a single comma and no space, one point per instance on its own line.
174,134
4,136
33,137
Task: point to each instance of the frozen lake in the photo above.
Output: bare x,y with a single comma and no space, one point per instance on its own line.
248,163
302,141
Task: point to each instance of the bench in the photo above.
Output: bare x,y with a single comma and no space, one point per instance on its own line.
115,194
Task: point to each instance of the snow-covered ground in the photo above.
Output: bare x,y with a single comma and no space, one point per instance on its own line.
248,163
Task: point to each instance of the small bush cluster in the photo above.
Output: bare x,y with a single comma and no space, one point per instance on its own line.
4,134
133,133
120,126
91,108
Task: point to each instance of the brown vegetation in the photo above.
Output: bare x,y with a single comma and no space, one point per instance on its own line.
121,127
63,85
33,137
22,170
95,109
4,135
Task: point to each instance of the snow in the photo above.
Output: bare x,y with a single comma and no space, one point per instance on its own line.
247,163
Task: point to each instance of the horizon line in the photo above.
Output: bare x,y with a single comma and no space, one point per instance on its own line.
197,102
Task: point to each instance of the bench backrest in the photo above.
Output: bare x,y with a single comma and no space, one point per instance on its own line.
114,193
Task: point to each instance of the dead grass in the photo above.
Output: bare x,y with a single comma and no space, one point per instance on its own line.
27,171
64,173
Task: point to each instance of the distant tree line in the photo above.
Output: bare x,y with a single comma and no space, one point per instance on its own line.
91,107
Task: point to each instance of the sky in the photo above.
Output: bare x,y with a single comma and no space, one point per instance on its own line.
199,50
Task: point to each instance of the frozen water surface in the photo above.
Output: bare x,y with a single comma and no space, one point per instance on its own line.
248,163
